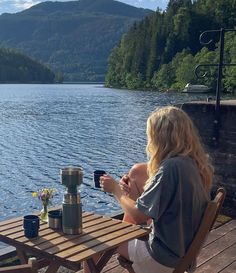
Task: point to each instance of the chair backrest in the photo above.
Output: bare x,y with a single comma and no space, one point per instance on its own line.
207,223
31,267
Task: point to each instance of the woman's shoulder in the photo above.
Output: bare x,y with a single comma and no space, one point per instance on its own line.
177,161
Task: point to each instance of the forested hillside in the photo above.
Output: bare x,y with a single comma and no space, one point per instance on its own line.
161,51
74,38
18,68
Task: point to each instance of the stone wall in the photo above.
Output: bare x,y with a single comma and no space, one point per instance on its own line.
223,154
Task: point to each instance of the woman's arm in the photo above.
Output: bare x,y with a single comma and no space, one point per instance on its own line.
128,205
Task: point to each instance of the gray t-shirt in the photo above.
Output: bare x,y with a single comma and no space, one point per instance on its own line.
175,200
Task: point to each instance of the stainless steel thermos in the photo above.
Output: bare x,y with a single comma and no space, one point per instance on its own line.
71,177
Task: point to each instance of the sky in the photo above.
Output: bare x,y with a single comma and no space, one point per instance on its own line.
13,6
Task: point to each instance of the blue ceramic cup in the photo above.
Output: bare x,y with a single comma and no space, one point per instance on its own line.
31,226
96,177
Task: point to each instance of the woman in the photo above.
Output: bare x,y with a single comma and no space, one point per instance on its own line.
175,194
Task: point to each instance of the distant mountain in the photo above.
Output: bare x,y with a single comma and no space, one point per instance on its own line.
74,38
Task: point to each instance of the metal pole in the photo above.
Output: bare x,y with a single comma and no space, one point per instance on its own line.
218,89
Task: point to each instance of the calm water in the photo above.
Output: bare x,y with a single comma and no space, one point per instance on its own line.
47,127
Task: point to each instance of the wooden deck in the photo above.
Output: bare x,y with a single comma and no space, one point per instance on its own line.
219,251
217,255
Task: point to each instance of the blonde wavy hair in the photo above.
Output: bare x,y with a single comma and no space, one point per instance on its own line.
170,132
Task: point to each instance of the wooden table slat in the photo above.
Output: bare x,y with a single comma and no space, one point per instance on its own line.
20,237
10,225
17,232
91,218
18,229
94,242
108,245
41,238
49,234
80,241
9,222
13,227
43,243
13,221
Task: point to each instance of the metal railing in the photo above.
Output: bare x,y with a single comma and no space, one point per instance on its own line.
220,65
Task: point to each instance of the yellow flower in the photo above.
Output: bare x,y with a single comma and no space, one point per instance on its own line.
34,194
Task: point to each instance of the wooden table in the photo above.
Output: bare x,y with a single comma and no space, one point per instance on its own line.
101,235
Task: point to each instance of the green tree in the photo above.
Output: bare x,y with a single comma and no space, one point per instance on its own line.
16,67
163,78
229,79
185,72
161,51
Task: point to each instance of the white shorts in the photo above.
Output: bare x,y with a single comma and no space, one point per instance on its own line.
142,260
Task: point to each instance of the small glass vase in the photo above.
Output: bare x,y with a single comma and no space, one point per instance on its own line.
44,213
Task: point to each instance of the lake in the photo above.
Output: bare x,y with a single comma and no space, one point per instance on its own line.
44,128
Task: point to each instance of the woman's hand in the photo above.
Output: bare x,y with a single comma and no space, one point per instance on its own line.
108,183
124,184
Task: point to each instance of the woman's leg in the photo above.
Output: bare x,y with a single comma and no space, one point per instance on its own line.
137,178
136,252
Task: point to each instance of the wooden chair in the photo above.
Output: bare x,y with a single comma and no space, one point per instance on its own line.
31,267
208,220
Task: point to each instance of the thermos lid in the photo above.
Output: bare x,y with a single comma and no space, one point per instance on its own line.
71,171
71,177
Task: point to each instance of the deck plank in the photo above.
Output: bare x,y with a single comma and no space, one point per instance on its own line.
216,247
230,269
219,262
221,231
